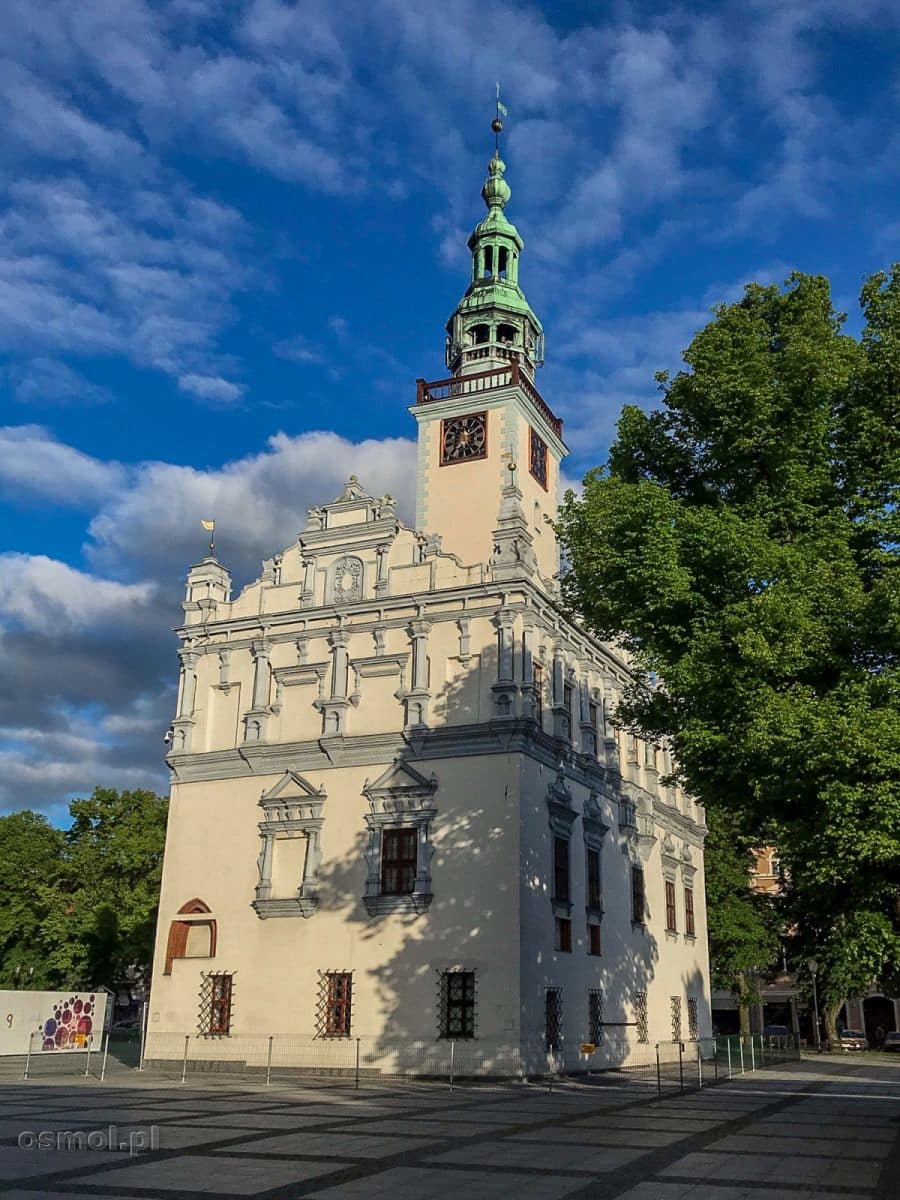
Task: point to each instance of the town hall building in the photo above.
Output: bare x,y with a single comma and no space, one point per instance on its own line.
400,810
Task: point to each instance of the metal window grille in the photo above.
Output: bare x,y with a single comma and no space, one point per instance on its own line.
335,1007
689,927
594,940
553,1018
398,861
676,1018
216,995
457,1004
671,915
640,1016
637,895
594,897
564,935
595,1016
693,1021
561,869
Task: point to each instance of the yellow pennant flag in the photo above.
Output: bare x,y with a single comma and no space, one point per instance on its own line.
209,526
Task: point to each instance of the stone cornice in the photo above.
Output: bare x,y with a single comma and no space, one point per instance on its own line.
425,745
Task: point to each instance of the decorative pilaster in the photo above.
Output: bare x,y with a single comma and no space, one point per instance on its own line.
513,556
381,574
307,594
256,718
183,725
505,689
464,625
562,720
334,707
530,699
588,726
415,701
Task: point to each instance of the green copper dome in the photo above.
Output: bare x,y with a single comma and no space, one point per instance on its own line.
494,323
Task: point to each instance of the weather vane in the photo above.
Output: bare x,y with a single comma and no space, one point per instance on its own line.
497,124
210,527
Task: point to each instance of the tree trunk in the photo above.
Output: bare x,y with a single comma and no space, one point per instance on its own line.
830,1014
743,1000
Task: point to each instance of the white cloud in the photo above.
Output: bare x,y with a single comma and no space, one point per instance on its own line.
211,389
35,466
44,381
41,595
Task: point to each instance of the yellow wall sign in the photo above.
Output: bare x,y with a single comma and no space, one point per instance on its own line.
588,1047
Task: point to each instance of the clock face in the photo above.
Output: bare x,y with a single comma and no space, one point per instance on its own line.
464,438
538,464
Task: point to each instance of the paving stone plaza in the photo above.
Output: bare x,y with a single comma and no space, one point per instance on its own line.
823,1129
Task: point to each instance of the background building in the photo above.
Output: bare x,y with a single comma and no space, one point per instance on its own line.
399,808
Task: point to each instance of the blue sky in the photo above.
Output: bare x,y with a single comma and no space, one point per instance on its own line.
230,236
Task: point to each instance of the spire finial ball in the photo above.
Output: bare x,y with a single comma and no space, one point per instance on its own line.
497,125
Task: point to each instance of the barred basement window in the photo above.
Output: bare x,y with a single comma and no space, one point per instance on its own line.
553,1018
671,916
676,1018
457,1007
398,861
220,1004
693,1021
640,1016
594,940
595,1016
337,1003
563,939
689,927
638,909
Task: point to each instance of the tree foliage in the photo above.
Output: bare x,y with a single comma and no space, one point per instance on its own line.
80,906
743,543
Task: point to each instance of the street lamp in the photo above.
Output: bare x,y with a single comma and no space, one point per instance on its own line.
813,970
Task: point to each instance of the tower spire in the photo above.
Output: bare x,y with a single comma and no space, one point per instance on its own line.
494,324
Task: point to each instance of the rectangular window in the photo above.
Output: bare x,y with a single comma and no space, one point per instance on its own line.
693,1023
537,676
563,940
459,1004
595,1016
638,908
594,944
338,997
676,1018
553,1018
561,890
689,928
220,1004
398,861
671,915
640,1017
594,895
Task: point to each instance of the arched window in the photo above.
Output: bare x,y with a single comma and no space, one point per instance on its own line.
502,256
488,261
480,334
191,936
506,334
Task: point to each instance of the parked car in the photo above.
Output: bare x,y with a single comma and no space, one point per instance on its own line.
892,1040
779,1031
853,1039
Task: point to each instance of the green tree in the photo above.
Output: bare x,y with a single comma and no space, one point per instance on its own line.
742,543
31,852
742,924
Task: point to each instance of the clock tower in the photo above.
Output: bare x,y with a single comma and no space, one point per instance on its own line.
489,445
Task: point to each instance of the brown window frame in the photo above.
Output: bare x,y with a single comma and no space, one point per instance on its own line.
562,874
671,908
690,925
220,1002
595,940
638,896
403,860
338,1003
563,935
594,878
